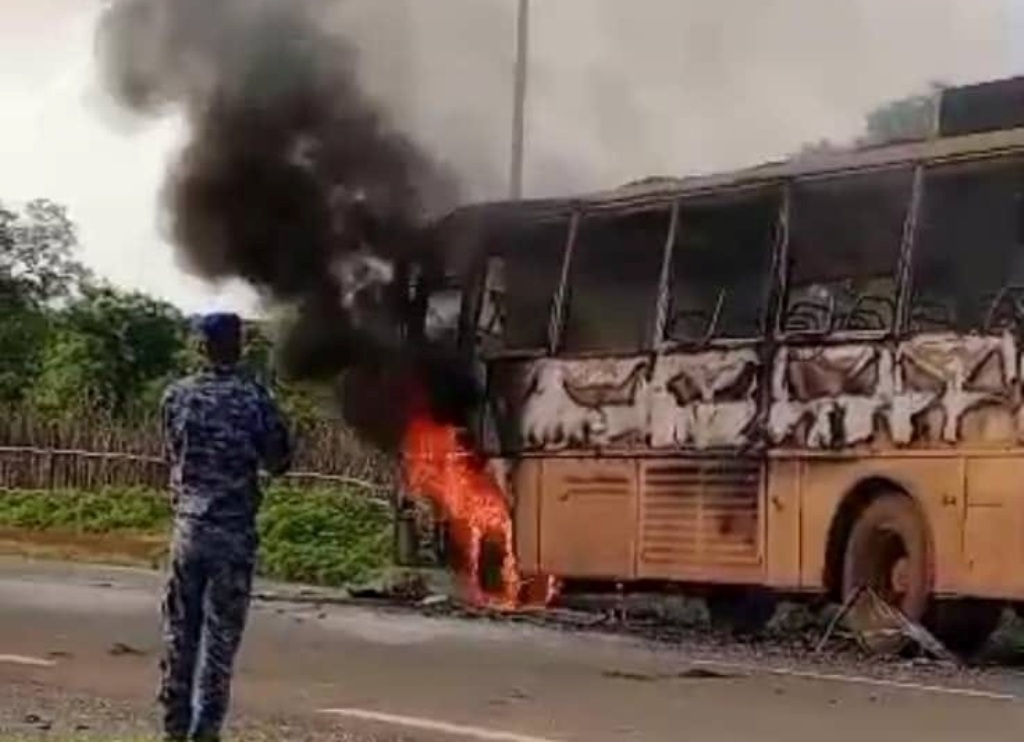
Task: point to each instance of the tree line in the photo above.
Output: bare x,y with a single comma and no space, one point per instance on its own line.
73,345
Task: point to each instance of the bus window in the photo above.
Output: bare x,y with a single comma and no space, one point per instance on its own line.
613,282
968,260
441,324
721,265
522,278
844,251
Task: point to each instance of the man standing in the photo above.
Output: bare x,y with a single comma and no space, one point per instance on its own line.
220,428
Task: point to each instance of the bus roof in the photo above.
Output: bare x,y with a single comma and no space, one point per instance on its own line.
652,192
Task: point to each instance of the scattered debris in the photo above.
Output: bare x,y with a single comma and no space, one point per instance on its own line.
37,722
847,605
703,673
119,649
911,629
369,592
690,673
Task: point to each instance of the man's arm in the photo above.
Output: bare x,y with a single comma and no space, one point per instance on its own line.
168,426
275,441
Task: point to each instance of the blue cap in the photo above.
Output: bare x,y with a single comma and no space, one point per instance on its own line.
217,325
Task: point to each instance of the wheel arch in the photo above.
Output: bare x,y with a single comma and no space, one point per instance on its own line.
851,505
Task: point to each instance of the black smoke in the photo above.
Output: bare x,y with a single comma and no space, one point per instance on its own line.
294,181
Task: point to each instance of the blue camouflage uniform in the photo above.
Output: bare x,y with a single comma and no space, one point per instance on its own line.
220,428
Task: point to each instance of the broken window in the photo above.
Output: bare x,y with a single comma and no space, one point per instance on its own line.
522,276
968,260
845,241
613,282
441,324
720,269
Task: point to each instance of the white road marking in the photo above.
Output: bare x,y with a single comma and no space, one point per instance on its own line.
433,725
20,659
860,680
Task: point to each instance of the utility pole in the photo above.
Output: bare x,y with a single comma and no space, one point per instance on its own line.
519,100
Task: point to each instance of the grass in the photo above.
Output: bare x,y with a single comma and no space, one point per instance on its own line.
106,511
317,536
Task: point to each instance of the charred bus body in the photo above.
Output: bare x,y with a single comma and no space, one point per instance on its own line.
795,379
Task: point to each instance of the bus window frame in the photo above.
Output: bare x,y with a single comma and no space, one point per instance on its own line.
781,189
981,160
652,336
901,268
778,281
478,286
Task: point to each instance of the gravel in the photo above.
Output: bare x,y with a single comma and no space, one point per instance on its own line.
789,643
32,711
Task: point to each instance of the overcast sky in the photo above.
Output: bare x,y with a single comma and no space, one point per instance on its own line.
618,90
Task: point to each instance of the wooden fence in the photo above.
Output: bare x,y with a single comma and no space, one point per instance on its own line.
93,454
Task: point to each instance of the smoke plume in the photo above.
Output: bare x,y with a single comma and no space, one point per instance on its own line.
291,179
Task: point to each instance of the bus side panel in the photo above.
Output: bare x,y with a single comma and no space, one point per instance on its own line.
935,483
783,531
994,527
588,521
525,481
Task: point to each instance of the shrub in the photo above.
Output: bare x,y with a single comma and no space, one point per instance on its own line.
319,536
104,511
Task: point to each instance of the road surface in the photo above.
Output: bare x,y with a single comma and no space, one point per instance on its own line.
79,647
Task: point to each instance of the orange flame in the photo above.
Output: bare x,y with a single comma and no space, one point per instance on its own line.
440,469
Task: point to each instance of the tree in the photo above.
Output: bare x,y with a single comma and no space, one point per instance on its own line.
37,253
906,119
70,344
38,269
110,350
903,120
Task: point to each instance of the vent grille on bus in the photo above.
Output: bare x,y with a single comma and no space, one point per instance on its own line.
698,514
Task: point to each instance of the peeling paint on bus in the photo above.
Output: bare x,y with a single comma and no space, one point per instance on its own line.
927,388
701,401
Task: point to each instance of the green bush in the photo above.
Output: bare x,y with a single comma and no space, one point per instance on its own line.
105,511
320,536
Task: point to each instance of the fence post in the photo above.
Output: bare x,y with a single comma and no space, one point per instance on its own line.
50,477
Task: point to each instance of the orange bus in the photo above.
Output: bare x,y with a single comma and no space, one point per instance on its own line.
797,379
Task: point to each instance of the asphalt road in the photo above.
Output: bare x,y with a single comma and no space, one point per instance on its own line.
79,646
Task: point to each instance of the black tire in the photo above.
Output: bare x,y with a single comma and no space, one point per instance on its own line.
740,611
964,626
888,550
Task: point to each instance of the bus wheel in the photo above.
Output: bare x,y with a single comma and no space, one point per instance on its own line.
964,626
887,551
742,611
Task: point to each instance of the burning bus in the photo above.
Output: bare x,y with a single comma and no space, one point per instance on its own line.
798,379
